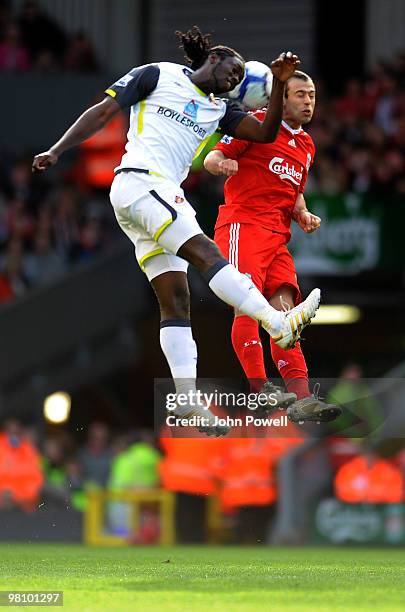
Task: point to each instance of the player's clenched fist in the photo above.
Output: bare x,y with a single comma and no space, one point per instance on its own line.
228,167
42,161
308,222
285,65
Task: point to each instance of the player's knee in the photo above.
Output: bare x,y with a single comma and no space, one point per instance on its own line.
210,257
202,252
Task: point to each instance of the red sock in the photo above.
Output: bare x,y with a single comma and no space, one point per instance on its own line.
248,347
292,367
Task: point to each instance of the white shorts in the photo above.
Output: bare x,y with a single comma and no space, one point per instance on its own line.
156,217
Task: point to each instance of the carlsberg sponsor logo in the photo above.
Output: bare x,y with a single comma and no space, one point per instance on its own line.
281,167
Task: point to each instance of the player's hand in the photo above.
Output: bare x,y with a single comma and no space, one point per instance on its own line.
284,66
228,167
308,222
42,161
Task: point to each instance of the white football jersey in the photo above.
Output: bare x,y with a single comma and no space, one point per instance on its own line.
170,119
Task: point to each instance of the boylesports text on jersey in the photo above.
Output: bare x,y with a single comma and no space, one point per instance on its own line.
279,166
182,119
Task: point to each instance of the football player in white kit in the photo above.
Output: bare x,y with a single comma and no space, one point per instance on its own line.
173,110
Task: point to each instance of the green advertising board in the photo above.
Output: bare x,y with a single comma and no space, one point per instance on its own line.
358,234
336,522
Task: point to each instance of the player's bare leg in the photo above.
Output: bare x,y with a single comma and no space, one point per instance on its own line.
179,347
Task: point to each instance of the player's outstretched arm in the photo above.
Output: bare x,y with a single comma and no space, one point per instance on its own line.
254,130
90,122
216,163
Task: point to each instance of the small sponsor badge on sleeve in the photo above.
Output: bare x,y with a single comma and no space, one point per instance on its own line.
226,139
123,82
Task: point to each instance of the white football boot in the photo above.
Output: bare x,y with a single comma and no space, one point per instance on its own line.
295,320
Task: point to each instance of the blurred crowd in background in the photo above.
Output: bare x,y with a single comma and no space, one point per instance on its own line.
49,223
360,135
242,472
46,227
33,41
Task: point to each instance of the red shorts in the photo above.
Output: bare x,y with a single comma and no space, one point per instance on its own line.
261,253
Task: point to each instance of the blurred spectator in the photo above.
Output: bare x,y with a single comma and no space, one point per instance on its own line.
21,476
43,264
66,221
25,186
96,455
386,104
91,238
364,413
136,467
354,102
331,179
46,62
80,56
42,35
189,469
248,483
13,55
53,462
74,483
369,479
63,475
17,221
12,279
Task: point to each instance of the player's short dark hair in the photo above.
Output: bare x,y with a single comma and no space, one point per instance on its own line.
197,47
298,74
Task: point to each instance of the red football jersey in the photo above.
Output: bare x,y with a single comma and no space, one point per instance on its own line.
269,178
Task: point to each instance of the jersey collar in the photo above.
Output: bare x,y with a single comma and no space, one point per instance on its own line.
188,74
290,129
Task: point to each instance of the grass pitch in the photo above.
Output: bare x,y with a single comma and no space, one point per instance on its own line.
208,578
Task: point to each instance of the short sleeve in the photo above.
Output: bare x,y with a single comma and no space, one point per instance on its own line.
232,148
233,116
137,85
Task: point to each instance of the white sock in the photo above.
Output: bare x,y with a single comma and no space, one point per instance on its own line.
239,291
180,350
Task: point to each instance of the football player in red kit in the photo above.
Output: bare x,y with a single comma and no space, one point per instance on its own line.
263,194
